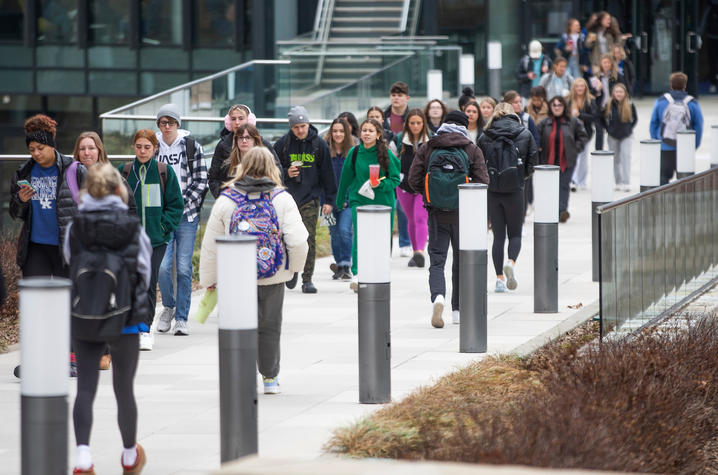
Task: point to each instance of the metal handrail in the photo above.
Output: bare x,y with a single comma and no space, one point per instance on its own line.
317,17
415,16
325,37
653,191
260,120
196,81
404,15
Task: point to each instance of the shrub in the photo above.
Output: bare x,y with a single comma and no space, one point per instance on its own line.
9,310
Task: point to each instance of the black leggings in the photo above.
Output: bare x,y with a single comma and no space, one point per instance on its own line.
125,353
44,260
506,213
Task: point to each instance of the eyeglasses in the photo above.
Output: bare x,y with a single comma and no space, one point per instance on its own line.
167,123
245,138
558,104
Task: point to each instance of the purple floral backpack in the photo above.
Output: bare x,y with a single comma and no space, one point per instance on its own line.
258,218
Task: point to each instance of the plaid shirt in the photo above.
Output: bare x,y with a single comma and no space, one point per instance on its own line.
195,186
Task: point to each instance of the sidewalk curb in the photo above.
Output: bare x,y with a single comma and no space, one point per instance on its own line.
552,333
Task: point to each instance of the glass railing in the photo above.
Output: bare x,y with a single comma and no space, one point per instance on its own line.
658,249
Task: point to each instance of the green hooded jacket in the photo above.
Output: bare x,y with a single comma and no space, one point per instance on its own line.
353,177
160,215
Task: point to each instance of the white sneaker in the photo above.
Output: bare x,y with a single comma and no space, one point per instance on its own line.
511,282
180,328
627,188
147,341
436,320
406,251
165,319
500,286
455,317
354,284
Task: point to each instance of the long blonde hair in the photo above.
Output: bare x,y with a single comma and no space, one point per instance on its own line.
502,109
102,180
575,99
625,112
257,163
614,66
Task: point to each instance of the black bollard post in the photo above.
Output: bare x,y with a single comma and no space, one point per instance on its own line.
602,182
374,303
237,307
45,363
546,188
472,267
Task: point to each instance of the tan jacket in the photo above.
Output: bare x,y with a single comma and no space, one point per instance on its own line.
294,235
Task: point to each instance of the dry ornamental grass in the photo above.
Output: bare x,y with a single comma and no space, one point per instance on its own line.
648,404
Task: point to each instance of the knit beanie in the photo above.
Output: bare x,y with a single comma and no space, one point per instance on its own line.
298,115
457,117
171,111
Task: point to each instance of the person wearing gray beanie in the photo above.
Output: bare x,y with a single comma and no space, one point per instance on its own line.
298,115
171,111
309,177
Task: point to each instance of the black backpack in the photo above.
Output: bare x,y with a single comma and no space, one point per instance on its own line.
103,292
505,167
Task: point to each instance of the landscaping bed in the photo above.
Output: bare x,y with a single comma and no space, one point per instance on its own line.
644,404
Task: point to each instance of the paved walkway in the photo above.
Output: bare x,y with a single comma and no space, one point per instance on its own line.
176,385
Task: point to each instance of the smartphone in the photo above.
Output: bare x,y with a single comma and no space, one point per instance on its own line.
24,183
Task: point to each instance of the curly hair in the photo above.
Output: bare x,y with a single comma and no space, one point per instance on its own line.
382,150
40,122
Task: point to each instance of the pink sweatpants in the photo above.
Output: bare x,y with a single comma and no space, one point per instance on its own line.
416,215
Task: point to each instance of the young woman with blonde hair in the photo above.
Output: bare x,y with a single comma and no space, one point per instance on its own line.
619,118
103,222
582,105
506,207
258,178
603,82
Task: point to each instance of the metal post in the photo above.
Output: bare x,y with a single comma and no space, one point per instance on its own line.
45,362
650,164
473,244
494,65
374,299
685,153
546,189
714,146
602,181
237,306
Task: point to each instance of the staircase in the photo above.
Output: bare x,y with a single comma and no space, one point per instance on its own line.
348,33
365,21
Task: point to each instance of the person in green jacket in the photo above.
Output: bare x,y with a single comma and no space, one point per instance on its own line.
159,205
355,172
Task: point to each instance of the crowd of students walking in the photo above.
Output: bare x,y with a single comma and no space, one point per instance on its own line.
84,219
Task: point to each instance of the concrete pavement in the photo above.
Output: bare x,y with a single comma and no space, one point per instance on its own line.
177,383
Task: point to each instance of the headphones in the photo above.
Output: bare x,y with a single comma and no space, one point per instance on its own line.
251,118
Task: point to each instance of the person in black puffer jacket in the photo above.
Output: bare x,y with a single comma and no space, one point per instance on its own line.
619,118
238,115
45,205
506,208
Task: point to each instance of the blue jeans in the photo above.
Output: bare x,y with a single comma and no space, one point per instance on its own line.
403,224
183,240
341,236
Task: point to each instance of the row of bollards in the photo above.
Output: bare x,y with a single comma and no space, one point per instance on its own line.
45,342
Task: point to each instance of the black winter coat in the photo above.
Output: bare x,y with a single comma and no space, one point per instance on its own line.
524,68
614,126
574,139
406,153
218,171
66,206
511,128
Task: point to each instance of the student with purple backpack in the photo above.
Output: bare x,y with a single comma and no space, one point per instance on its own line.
255,203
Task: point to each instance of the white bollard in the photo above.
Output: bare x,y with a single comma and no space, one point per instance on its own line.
685,153
602,182
650,164
434,85
473,245
546,193
45,363
237,307
374,303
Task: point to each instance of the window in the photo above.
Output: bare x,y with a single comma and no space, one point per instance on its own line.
11,20
109,22
161,22
56,21
213,22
